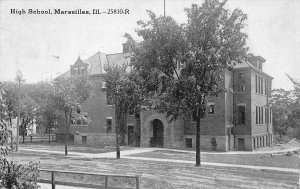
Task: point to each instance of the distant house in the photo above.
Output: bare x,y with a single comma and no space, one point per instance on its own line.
239,120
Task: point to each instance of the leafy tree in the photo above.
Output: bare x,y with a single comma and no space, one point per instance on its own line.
27,113
38,91
48,115
4,134
286,109
11,96
13,175
69,93
43,95
188,61
281,104
123,89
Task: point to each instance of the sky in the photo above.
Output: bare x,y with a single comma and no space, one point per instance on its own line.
29,42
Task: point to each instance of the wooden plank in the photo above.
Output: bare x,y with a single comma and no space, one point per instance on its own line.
89,173
53,182
44,181
78,184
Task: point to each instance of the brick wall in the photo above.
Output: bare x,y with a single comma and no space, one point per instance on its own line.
173,131
205,142
106,139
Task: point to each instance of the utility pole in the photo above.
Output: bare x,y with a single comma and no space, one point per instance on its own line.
117,124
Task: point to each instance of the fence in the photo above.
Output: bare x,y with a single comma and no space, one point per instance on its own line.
38,138
67,175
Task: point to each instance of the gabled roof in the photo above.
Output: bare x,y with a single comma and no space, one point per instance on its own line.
97,62
78,62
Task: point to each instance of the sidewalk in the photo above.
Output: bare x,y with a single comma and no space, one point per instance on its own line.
218,164
235,152
91,155
125,154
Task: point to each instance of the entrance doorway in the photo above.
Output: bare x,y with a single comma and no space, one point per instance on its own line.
130,134
241,144
158,133
84,139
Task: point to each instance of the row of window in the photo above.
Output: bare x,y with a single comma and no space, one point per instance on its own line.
262,86
78,71
263,115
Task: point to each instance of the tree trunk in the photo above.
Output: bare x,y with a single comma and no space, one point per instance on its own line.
198,161
123,124
67,132
23,134
118,145
66,145
49,135
280,134
117,128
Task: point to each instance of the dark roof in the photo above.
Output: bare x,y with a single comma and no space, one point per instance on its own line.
78,62
96,63
118,59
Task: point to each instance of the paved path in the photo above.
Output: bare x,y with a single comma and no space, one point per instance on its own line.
219,164
125,154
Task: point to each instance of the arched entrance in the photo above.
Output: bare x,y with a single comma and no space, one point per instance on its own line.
157,139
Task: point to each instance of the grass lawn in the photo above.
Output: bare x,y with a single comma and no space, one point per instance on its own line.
166,175
247,159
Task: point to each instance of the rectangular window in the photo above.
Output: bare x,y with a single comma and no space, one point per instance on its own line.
266,87
108,124
189,142
211,109
108,99
259,116
241,114
266,115
84,139
256,114
262,86
241,85
260,65
262,115
256,84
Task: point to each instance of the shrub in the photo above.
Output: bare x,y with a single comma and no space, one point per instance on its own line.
17,176
12,175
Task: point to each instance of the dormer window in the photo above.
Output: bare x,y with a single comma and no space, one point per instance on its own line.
78,68
260,65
